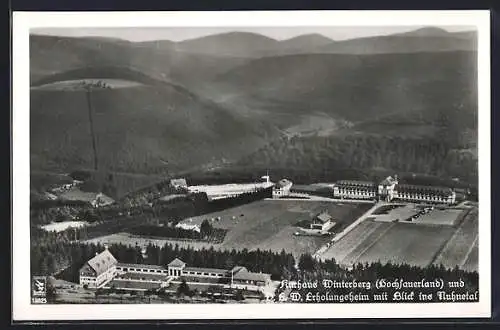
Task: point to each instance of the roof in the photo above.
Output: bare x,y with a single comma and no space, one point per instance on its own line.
389,181
102,262
125,284
207,270
180,182
177,263
138,276
355,183
424,189
283,183
251,276
103,199
323,217
238,269
140,266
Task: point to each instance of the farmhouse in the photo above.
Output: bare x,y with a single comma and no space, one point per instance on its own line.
92,198
99,270
282,188
178,183
101,200
322,221
243,279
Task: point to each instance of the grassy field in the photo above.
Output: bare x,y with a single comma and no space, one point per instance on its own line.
459,250
264,224
418,244
408,243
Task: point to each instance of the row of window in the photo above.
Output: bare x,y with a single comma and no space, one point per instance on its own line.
142,270
201,273
138,279
357,192
435,198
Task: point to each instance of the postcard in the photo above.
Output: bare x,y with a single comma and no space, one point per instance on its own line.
285,164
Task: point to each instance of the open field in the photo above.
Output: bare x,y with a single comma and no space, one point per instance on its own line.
62,226
440,217
458,250
404,243
392,212
472,260
417,244
261,225
349,242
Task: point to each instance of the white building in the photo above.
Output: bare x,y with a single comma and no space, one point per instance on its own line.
178,183
282,188
387,188
189,224
322,221
99,270
352,189
427,194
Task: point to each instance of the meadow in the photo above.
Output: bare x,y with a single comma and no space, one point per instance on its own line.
265,225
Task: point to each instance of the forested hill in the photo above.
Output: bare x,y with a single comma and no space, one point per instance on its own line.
147,127
358,87
369,153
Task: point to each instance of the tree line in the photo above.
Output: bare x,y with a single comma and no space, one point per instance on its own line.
206,230
430,156
54,253
312,270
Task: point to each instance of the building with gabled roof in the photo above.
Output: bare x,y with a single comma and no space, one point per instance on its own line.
242,278
99,270
322,221
282,188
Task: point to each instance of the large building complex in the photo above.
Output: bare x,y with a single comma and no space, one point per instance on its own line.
222,191
105,271
390,189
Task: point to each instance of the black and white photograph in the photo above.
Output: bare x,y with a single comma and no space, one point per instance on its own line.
273,165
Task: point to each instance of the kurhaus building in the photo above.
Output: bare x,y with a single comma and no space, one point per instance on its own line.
103,271
390,189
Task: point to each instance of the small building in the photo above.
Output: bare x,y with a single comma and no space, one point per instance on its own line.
175,267
101,200
243,279
322,221
282,188
178,183
99,270
189,224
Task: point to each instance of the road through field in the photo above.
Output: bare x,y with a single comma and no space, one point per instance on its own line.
348,229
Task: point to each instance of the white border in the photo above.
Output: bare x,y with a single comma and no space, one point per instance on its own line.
24,21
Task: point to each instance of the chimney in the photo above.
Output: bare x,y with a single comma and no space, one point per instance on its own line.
105,246
96,254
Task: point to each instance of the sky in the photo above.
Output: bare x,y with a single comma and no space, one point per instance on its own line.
279,33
